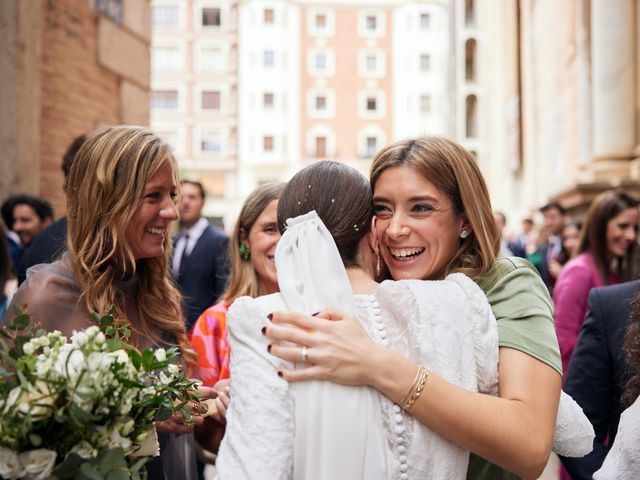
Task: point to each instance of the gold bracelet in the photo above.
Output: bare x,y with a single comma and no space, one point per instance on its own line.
418,391
413,387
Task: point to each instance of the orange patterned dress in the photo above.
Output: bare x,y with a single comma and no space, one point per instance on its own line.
209,339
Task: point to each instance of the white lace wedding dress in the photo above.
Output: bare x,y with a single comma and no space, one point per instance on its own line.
623,460
322,431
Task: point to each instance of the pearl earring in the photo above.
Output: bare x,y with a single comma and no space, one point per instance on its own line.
464,234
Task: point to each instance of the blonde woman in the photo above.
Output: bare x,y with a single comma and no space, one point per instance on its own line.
120,202
253,273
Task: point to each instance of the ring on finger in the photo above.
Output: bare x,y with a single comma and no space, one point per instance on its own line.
303,355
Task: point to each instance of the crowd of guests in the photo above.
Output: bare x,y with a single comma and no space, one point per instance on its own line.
117,246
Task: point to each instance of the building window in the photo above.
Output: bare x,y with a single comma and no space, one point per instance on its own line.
425,62
267,101
321,103
469,12
371,146
268,58
164,99
371,104
425,21
268,16
211,142
211,59
211,100
371,22
112,9
165,58
321,62
321,22
425,103
211,17
165,15
267,143
371,62
471,129
470,60
321,147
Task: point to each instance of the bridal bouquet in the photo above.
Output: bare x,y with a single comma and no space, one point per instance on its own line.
83,408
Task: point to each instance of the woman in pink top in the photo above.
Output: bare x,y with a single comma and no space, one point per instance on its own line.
606,255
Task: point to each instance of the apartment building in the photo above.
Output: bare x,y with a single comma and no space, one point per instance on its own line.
194,93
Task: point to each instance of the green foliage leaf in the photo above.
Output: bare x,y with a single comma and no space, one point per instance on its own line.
89,472
69,467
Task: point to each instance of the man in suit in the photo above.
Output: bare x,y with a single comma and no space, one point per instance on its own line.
554,216
200,262
597,374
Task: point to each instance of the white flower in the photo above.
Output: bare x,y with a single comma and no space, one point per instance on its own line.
37,401
112,438
165,379
161,355
43,365
83,449
149,446
38,463
173,369
10,465
29,348
14,396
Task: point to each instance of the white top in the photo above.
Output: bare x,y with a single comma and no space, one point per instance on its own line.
266,415
623,460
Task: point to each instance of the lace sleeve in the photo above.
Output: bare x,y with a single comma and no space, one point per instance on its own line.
623,460
258,442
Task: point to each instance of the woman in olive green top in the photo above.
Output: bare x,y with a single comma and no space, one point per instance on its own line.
433,218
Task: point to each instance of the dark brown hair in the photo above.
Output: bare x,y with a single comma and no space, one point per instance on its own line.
455,172
593,237
339,194
631,350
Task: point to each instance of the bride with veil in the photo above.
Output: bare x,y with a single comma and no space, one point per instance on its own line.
320,430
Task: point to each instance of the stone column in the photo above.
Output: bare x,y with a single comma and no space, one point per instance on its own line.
613,76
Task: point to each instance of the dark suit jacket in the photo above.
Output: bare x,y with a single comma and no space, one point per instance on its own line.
46,247
597,373
203,276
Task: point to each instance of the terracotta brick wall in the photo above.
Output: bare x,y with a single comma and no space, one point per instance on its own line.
93,71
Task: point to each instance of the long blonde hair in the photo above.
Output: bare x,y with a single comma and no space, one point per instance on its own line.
104,188
244,278
453,171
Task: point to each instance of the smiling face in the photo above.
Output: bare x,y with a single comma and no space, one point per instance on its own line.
622,231
156,209
262,240
26,223
417,227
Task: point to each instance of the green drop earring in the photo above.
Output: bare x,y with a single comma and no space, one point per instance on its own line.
245,254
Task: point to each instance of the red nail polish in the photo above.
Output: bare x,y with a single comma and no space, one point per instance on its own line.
269,348
279,373
270,316
264,330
